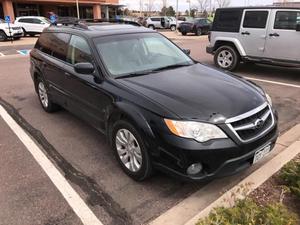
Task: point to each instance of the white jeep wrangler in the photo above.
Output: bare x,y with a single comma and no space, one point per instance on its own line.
269,35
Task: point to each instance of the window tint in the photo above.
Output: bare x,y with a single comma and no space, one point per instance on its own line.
287,20
79,51
155,19
59,45
227,20
255,19
36,21
25,20
54,44
43,43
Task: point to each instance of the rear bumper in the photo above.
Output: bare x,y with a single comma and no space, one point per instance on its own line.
209,50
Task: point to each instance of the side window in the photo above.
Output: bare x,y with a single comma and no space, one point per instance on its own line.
44,42
255,19
59,45
155,19
36,21
25,20
287,20
227,20
78,51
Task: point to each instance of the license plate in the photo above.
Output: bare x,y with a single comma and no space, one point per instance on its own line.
259,154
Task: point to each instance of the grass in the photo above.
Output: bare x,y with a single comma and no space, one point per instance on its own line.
290,174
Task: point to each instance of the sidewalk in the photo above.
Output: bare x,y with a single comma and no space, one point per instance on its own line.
199,204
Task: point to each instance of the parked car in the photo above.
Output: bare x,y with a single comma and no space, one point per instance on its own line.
11,31
198,26
158,108
255,34
158,22
32,25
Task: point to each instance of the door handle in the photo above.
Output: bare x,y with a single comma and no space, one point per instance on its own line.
245,33
274,35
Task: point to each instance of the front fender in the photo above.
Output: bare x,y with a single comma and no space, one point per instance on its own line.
135,114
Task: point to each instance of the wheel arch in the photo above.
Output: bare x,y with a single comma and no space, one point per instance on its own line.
131,113
231,42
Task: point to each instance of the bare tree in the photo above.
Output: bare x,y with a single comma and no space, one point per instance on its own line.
164,3
223,3
202,5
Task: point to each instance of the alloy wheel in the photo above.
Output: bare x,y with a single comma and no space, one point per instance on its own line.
43,94
128,150
225,59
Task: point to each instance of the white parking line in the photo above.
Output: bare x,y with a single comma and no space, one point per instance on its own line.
1,54
74,200
274,82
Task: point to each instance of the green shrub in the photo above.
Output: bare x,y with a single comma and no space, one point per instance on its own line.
247,212
290,173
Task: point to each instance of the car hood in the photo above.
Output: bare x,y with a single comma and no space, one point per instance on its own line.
197,92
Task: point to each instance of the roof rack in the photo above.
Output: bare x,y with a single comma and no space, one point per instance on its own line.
119,21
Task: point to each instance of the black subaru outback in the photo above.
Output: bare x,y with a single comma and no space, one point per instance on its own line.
158,108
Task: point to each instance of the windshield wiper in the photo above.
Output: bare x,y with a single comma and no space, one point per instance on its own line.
174,66
135,74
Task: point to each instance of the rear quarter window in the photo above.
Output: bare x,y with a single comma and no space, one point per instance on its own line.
227,20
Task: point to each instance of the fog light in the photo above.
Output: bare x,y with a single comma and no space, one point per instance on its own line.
194,169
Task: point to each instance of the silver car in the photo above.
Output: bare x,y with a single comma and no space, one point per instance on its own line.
255,34
159,22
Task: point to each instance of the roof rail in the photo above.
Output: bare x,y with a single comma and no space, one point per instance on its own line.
119,21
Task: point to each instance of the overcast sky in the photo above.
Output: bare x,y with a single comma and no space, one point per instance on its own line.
183,5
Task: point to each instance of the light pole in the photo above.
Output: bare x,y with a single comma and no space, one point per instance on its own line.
77,7
177,14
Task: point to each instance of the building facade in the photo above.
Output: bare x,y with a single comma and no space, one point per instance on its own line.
88,9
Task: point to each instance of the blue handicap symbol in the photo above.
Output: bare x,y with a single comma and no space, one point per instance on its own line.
7,19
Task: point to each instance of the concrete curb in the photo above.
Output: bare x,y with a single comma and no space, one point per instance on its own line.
200,203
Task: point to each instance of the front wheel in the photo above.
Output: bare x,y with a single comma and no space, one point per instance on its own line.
173,28
227,58
130,151
3,36
198,32
183,33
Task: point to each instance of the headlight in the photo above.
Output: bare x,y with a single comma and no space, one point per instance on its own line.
269,99
200,132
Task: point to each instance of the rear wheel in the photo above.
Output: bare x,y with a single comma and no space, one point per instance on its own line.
44,97
198,32
183,33
31,35
151,27
130,150
226,57
3,36
173,28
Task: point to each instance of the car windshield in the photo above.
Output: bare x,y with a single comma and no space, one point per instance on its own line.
45,20
139,54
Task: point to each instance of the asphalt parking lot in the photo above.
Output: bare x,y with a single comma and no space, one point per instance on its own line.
81,154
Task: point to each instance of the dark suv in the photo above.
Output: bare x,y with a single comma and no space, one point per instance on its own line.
158,108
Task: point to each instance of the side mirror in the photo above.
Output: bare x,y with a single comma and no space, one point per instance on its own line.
298,27
187,51
84,68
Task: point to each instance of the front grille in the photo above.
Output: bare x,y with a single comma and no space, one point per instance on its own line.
251,125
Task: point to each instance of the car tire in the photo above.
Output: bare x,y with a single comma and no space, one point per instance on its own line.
198,32
135,160
173,28
226,57
3,36
31,35
183,33
151,27
44,97
24,32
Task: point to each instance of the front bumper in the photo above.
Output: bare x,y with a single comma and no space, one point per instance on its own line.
219,157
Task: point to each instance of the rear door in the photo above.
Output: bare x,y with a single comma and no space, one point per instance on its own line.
254,30
282,38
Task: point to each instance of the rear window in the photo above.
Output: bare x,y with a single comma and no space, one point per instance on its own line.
227,20
255,19
55,44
